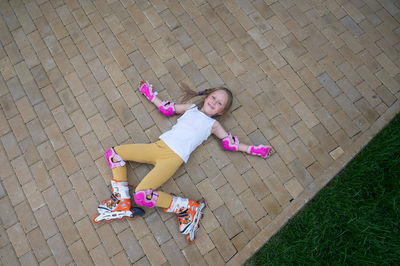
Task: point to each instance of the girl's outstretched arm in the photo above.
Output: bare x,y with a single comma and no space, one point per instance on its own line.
180,108
231,143
165,107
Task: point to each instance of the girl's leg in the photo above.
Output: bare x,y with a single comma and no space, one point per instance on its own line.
145,153
162,171
166,162
120,174
121,199
189,211
142,153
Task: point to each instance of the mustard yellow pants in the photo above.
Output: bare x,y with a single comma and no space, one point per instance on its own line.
166,162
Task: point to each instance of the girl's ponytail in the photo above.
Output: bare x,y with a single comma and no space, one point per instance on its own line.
188,93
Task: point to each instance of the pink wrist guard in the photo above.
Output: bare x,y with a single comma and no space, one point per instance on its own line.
260,150
146,198
147,90
167,108
230,143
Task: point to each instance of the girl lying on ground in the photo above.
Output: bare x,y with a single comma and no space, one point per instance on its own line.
174,147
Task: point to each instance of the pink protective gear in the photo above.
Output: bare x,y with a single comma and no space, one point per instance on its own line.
146,198
147,90
230,143
113,159
167,108
260,150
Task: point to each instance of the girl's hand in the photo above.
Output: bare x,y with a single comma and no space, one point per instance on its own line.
146,89
263,151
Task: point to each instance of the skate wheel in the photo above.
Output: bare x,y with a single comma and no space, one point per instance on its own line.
202,200
190,241
94,219
136,211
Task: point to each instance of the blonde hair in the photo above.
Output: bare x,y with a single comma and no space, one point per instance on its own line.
188,94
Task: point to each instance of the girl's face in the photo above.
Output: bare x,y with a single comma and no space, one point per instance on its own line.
215,103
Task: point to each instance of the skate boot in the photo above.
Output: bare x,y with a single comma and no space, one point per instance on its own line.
118,206
189,214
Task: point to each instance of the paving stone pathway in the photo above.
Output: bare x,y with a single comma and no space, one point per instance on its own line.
316,79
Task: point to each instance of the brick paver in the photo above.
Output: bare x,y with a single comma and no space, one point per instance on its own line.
316,79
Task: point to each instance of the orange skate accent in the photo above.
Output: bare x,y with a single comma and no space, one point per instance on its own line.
120,198
186,215
117,204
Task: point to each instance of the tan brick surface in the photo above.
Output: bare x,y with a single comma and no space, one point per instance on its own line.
38,244
172,253
314,80
154,254
109,240
18,239
14,190
25,216
99,256
80,254
88,234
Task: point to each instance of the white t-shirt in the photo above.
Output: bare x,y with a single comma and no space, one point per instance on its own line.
192,129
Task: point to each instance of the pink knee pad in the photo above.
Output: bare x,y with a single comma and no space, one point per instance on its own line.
146,198
113,159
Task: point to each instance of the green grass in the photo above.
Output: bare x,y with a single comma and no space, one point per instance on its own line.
354,220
